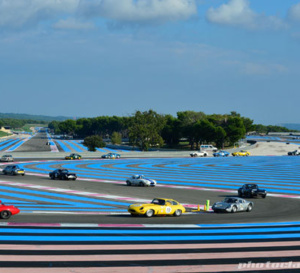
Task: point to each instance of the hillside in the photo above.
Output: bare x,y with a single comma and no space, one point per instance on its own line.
32,117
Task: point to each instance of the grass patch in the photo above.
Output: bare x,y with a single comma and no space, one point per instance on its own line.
4,134
27,127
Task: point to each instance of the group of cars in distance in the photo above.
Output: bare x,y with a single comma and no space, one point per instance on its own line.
78,156
221,153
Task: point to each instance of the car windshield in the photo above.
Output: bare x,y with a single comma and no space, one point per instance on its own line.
229,200
158,202
64,171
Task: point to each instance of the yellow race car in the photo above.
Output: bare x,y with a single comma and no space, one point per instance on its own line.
241,153
158,206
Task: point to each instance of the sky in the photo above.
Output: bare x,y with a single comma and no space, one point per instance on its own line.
89,58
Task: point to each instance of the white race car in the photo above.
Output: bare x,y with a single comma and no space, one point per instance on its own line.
200,154
140,180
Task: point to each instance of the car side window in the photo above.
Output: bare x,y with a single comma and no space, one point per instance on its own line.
174,203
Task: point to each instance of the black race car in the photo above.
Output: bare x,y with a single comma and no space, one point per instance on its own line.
62,174
251,190
296,152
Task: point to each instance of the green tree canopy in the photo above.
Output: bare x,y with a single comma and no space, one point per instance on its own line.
93,142
145,129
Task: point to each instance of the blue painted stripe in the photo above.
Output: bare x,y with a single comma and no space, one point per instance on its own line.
147,231
146,238
63,146
73,146
9,144
17,145
55,195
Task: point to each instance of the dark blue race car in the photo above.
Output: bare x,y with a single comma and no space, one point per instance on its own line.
221,154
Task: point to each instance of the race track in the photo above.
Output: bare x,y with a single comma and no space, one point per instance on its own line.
83,225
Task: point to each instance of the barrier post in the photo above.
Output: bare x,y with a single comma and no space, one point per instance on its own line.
207,205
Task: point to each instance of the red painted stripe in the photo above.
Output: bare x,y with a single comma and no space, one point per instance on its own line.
152,257
148,246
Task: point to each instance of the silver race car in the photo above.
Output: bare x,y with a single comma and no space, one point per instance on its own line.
233,204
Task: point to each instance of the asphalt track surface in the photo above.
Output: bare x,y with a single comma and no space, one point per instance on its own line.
61,230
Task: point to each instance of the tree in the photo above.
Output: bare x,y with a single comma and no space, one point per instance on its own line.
68,126
171,132
235,129
116,138
93,142
187,124
145,129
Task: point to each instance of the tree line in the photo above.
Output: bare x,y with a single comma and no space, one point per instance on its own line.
19,123
149,129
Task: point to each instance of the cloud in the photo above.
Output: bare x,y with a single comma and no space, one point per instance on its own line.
238,13
18,13
71,23
294,12
263,69
139,11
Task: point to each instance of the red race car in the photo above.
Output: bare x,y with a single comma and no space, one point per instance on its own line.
7,211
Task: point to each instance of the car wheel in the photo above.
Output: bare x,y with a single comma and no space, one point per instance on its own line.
12,173
205,155
234,209
249,208
264,196
128,183
4,172
133,215
149,213
240,194
23,174
5,214
177,213
141,184
74,179
52,177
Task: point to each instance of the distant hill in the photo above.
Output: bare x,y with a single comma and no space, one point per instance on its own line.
32,117
291,126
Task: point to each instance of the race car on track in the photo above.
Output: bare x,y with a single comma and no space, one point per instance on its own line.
7,158
62,174
296,152
251,190
221,154
13,170
200,154
241,153
111,155
158,206
233,204
73,156
140,180
7,211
